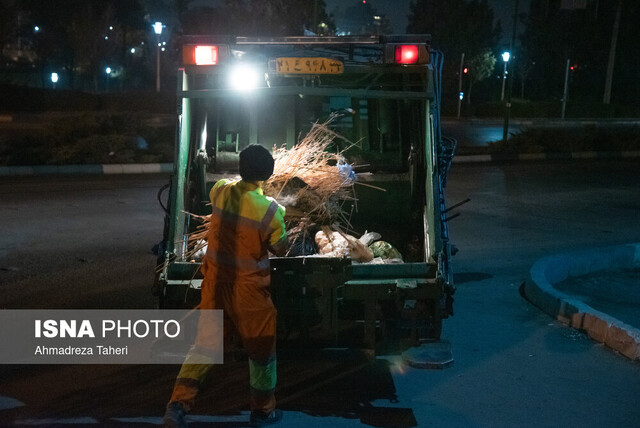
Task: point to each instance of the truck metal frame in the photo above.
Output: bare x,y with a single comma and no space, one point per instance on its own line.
391,107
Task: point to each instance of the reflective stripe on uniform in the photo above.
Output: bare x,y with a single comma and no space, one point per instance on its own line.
223,259
233,218
262,375
192,370
268,216
229,217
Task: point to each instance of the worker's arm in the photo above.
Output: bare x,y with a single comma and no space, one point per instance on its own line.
216,189
278,242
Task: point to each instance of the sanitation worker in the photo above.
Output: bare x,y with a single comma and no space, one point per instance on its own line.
245,225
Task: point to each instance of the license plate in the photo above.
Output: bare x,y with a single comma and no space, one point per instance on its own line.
309,66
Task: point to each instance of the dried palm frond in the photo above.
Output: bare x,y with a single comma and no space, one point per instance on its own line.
307,179
197,240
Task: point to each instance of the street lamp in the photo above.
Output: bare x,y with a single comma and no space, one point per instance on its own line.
505,58
108,71
157,28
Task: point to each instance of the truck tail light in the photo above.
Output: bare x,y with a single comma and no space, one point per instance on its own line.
415,54
194,54
407,54
205,55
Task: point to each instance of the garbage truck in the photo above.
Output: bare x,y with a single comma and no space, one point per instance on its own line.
383,93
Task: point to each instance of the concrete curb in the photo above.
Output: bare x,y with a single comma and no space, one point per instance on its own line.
510,157
601,327
167,168
107,169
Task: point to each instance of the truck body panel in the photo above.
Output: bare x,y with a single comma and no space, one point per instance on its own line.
391,109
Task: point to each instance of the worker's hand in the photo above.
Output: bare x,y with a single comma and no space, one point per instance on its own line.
280,249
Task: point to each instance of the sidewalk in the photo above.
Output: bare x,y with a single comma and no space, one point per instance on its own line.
547,272
106,169
167,168
540,122
502,157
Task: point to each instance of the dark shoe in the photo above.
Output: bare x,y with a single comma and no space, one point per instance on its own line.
175,416
259,419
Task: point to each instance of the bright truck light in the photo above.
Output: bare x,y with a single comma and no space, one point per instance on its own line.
244,78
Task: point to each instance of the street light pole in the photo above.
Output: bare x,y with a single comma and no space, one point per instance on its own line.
606,99
505,59
565,93
158,68
507,105
107,71
460,84
157,28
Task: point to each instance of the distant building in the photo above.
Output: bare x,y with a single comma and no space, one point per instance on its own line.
18,44
361,18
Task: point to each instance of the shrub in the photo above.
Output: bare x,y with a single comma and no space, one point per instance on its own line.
28,150
585,139
89,138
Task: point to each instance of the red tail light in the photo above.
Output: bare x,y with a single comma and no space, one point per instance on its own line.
205,55
407,54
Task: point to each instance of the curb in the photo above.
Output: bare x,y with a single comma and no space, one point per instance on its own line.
167,168
107,169
567,309
510,157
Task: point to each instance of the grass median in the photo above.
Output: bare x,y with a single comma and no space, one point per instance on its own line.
589,138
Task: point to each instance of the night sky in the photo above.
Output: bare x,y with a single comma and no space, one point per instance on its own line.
397,11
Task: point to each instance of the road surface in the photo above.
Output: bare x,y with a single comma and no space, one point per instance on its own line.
85,243
480,132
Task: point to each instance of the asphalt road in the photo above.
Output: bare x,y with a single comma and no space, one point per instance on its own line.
468,132
85,243
480,132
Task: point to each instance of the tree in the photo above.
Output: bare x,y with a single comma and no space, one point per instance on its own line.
457,26
82,36
7,21
275,17
362,18
554,34
480,67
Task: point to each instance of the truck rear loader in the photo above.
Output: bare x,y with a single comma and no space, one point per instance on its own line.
383,93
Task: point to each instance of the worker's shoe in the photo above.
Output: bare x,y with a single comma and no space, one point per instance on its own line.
259,419
175,416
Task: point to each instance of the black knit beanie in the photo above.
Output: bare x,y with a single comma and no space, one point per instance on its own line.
256,163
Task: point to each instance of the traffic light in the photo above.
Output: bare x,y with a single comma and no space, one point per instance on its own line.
465,70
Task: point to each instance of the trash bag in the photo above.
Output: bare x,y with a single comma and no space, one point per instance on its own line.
301,244
340,244
385,250
368,237
332,244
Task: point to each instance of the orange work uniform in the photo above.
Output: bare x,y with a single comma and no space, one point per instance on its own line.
245,224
